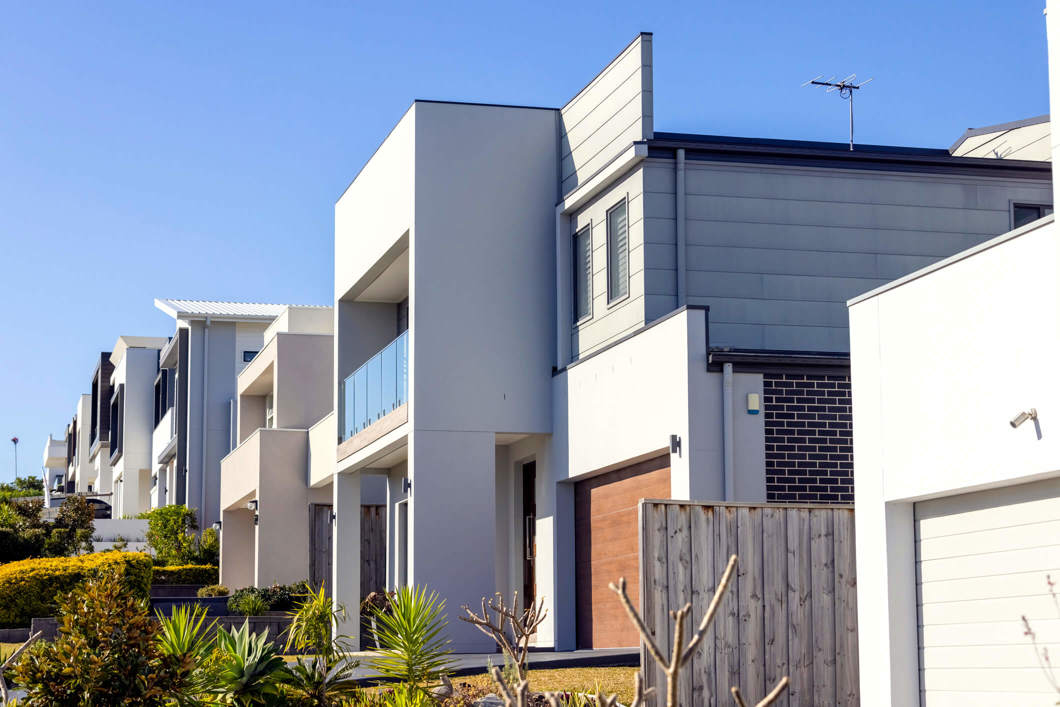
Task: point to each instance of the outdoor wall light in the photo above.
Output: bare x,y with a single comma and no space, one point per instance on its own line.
1018,420
255,518
406,484
675,444
216,525
253,505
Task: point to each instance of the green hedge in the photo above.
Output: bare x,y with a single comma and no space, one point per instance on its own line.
185,574
31,588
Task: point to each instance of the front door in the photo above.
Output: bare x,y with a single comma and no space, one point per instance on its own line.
320,538
529,518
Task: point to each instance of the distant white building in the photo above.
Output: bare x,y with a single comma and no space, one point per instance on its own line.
54,465
135,367
194,398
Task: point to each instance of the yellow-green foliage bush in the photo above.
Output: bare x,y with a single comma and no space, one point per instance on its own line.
185,574
32,588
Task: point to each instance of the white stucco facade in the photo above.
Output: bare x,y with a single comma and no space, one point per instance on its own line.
931,410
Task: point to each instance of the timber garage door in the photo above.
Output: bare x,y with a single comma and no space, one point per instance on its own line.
982,560
606,547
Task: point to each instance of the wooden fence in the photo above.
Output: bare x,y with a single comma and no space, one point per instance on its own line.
791,609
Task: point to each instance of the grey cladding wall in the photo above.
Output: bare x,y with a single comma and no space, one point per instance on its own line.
608,115
776,251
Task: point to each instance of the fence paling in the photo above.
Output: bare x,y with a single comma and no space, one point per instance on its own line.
791,609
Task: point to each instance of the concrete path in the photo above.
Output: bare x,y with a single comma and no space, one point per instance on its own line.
475,663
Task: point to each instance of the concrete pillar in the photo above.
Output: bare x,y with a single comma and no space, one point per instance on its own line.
346,546
452,524
237,549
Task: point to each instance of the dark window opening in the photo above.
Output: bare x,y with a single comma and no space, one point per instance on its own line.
1022,214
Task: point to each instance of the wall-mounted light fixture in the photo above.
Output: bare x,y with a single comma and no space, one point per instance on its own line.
253,505
675,444
1018,420
406,484
255,519
216,525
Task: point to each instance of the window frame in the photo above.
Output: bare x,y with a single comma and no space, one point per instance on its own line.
578,321
611,300
1013,205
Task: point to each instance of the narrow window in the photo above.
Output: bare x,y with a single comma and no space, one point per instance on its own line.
1022,214
270,416
583,274
248,356
617,253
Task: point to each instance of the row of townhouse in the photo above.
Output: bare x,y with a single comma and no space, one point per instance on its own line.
542,316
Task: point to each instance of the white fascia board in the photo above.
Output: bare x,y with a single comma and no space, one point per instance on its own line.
628,159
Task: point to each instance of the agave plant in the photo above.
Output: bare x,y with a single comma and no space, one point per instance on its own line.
250,671
326,678
409,635
186,639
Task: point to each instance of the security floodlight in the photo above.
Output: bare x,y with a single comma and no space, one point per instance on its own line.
252,505
1018,420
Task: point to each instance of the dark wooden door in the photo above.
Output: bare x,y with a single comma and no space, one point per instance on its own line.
529,517
606,547
320,545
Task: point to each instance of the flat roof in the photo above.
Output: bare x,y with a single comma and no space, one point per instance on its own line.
200,309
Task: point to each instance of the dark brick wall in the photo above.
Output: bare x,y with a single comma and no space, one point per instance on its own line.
809,437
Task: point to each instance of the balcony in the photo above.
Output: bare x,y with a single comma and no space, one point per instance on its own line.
164,437
376,389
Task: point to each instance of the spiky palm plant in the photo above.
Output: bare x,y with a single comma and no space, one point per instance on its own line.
250,671
412,649
187,639
325,678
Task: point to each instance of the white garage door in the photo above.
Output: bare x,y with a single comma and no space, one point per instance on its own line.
982,562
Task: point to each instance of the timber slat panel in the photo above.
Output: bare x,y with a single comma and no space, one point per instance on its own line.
791,609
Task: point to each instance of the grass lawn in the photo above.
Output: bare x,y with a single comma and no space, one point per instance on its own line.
618,681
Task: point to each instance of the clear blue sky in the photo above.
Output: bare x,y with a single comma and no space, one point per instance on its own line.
145,146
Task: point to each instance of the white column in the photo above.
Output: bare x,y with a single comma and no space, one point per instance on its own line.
237,549
452,524
346,548
395,494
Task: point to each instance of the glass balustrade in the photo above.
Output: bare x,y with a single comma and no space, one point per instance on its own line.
378,387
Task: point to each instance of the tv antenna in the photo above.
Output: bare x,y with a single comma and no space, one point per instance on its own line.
845,88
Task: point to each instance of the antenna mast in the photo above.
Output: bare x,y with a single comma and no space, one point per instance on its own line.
845,88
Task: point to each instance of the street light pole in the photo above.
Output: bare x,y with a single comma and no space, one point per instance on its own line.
14,441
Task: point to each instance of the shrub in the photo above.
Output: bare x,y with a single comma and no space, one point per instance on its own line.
249,605
106,653
278,597
185,574
170,530
32,588
212,590
26,535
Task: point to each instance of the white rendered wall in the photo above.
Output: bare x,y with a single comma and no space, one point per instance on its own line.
620,406
376,209
136,371
482,294
940,364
